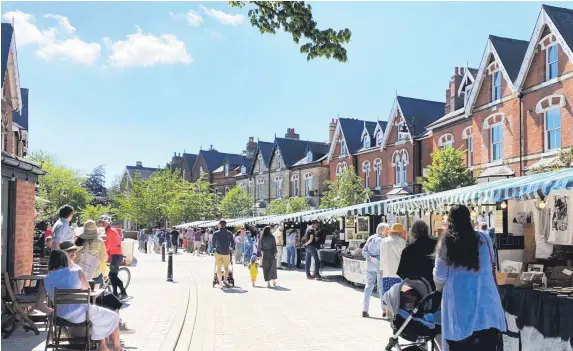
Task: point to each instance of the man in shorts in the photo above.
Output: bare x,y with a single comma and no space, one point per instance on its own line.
223,246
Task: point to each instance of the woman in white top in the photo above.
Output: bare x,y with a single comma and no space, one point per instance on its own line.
390,253
105,323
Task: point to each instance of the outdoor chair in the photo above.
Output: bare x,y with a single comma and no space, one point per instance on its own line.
54,336
18,308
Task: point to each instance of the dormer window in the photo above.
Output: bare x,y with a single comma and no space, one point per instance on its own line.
309,156
243,169
261,164
278,156
226,168
496,86
552,61
467,91
200,170
343,150
379,139
366,142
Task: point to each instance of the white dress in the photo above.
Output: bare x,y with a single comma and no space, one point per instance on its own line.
104,321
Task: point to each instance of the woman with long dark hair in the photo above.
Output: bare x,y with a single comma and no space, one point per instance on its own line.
269,250
417,259
472,316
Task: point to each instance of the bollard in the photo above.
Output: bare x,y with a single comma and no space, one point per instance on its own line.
170,267
163,253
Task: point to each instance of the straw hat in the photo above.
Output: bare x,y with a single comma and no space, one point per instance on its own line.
397,228
90,231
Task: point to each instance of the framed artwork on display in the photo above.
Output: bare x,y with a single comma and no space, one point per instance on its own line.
349,223
358,237
363,225
533,267
350,234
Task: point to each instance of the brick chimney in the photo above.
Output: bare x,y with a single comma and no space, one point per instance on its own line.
211,148
251,148
138,164
453,101
176,160
290,134
331,130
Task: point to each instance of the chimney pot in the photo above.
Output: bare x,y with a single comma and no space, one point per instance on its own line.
138,164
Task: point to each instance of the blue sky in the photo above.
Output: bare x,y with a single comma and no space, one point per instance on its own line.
114,83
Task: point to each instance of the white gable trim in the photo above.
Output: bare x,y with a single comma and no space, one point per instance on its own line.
467,76
14,76
542,21
377,129
391,121
489,50
333,143
364,133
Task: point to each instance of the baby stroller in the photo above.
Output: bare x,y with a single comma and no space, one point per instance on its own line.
415,314
230,278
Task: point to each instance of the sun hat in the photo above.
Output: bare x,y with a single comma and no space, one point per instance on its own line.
253,258
397,228
90,231
68,246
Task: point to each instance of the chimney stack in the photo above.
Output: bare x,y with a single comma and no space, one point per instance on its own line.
453,101
251,148
138,164
331,130
290,134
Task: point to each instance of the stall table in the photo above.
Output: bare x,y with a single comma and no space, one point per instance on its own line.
537,320
354,269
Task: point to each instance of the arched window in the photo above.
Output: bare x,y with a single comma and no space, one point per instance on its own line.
340,167
495,124
226,167
279,186
365,141
251,188
307,184
379,139
378,171
550,106
343,150
366,170
243,169
309,156
400,161
261,188
446,141
467,135
295,185
261,164
278,156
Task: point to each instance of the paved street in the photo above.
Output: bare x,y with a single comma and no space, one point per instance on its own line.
190,314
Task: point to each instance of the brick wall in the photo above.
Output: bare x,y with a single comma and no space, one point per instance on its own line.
371,156
24,228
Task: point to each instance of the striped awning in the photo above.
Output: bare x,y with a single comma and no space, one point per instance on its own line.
291,217
520,188
250,220
191,224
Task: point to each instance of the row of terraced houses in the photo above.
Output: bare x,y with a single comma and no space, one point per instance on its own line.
511,114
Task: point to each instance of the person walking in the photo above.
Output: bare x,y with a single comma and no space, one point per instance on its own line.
150,243
240,245
223,245
62,230
311,249
210,241
175,239
417,259
390,252
197,242
472,315
48,233
91,248
269,251
253,269
291,249
190,236
113,245
248,248
371,252
279,238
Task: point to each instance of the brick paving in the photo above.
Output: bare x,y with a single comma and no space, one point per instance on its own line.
190,314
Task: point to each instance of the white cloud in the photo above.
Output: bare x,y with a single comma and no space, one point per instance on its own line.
63,21
74,50
26,31
48,46
146,50
193,18
223,17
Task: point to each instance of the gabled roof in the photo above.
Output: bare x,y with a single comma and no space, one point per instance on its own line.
266,149
560,22
511,53
144,172
318,149
213,159
21,117
291,150
352,132
7,34
190,159
417,113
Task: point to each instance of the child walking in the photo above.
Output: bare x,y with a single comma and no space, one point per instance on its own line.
253,269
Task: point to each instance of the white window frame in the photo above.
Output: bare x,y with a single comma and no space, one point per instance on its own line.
279,187
295,185
491,144
261,163
261,188
446,141
227,190
470,147
494,87
366,171
251,188
366,142
378,170
379,139
340,167
184,173
404,170
547,131
309,156
226,169
402,137
307,184
278,156
200,170
243,169
467,92
549,64
343,149
400,161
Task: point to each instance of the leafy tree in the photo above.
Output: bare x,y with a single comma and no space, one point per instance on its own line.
276,207
60,186
95,185
286,206
236,204
93,212
447,171
346,190
295,17
564,159
298,204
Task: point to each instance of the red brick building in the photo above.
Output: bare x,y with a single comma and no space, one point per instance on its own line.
19,177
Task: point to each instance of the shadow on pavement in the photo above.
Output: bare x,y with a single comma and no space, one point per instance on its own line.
234,290
280,288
